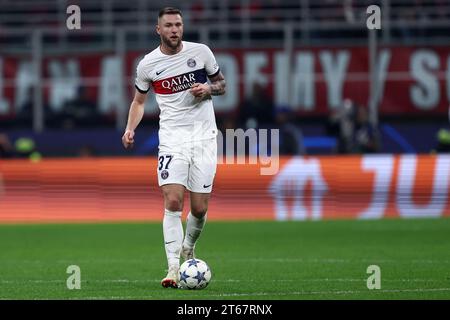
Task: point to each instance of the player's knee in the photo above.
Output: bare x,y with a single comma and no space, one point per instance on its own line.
174,204
199,211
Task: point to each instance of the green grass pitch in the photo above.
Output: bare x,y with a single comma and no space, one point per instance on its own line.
249,260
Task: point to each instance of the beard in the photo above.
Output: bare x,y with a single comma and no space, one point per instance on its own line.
168,42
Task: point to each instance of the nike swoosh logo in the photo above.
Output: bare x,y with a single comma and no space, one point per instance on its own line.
207,186
170,242
159,72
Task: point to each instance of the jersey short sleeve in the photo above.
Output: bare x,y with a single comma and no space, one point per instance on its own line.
211,65
142,83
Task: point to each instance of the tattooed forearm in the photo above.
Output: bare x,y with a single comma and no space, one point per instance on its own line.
218,84
218,88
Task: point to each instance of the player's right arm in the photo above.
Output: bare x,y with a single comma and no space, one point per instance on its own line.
134,118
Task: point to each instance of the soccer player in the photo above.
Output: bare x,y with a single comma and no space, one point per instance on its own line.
178,71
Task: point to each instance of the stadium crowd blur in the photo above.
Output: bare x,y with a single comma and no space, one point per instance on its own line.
201,11
205,11
349,126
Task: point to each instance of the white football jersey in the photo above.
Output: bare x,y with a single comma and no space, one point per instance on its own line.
183,117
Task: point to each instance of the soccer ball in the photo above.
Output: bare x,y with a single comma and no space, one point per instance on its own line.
194,274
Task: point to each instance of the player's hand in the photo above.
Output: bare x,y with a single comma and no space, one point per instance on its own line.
128,139
200,90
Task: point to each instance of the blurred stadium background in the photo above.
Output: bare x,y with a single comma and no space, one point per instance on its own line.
337,91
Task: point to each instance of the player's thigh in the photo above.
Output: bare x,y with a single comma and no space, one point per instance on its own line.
203,167
199,203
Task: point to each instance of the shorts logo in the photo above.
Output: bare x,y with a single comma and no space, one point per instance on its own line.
164,174
191,63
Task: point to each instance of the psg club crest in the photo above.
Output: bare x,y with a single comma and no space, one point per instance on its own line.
191,63
164,174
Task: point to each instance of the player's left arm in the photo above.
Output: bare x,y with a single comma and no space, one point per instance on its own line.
215,88
218,84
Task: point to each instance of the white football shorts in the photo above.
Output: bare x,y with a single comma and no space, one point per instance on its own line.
190,164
